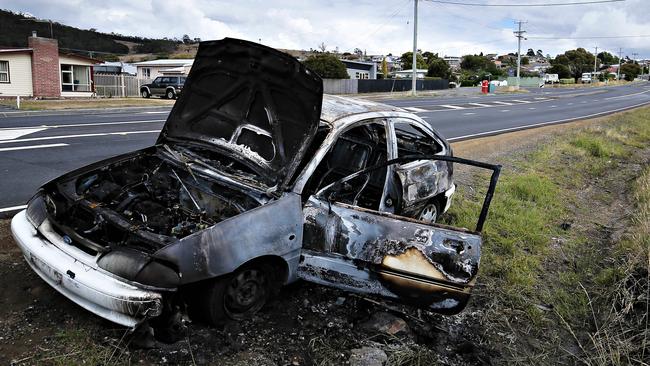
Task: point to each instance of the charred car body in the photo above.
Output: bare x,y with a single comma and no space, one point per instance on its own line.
256,181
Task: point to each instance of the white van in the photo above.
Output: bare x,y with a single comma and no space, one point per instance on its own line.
551,78
586,77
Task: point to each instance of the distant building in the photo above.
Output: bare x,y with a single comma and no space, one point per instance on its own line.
408,74
453,61
115,68
154,68
361,70
42,70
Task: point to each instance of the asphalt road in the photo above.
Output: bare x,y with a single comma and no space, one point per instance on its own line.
35,149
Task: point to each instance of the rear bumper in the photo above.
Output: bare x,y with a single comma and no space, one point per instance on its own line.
80,281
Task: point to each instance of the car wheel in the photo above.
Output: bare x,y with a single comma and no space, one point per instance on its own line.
238,296
145,93
429,213
170,94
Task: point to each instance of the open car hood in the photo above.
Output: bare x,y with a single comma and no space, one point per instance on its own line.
257,104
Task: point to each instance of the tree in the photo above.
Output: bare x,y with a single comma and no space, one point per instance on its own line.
525,61
540,53
530,52
429,56
407,61
562,71
472,62
577,61
327,66
439,68
187,39
322,47
631,71
607,58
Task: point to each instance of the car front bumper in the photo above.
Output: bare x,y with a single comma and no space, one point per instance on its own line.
72,272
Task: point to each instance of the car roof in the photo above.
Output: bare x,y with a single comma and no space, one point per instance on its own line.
336,107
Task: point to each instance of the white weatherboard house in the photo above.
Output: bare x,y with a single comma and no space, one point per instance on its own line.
154,68
41,70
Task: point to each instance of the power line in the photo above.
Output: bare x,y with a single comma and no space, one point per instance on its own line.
524,4
592,37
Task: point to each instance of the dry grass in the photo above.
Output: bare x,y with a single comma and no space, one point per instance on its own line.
61,104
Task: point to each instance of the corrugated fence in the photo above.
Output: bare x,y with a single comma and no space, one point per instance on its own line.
117,85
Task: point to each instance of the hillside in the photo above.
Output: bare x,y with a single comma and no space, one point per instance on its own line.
15,28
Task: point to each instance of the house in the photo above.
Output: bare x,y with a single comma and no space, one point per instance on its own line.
154,68
408,74
361,70
42,70
115,68
452,61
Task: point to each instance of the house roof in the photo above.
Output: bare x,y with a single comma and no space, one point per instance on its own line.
166,62
358,65
74,55
16,50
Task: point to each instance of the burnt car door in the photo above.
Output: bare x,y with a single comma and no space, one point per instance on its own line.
363,249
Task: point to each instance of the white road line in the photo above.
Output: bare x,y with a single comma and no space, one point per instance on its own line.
468,113
505,110
451,106
77,136
627,95
541,98
31,147
85,124
7,209
553,106
532,108
16,133
521,101
481,105
570,103
502,103
503,130
415,109
595,100
156,112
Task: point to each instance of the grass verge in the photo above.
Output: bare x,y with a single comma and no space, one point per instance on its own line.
60,104
564,276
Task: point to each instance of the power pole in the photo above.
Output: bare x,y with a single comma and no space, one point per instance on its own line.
415,48
596,59
519,34
620,63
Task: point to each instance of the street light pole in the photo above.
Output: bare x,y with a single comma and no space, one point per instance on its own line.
519,34
595,59
415,48
620,63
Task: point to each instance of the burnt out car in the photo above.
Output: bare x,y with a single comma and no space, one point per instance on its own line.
256,181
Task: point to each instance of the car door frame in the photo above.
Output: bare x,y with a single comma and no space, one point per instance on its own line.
383,265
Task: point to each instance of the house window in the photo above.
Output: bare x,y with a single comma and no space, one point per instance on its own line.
4,72
75,78
146,73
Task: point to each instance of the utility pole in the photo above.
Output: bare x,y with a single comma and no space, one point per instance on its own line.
415,48
596,59
620,63
519,34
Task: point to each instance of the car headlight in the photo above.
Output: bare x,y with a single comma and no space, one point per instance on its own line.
37,210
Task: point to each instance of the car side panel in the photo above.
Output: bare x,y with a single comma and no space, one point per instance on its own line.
274,229
426,265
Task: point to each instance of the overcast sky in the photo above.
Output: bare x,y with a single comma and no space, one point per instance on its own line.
379,27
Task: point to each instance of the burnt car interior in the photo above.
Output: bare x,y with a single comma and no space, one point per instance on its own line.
354,150
412,141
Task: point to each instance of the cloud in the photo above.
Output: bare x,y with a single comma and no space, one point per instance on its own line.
373,26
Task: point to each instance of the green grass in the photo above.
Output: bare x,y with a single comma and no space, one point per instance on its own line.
562,281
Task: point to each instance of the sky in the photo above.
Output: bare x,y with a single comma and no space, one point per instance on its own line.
375,26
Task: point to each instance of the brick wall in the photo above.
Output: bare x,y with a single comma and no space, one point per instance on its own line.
45,67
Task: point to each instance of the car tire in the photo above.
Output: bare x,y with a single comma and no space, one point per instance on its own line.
236,296
430,212
145,93
170,94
